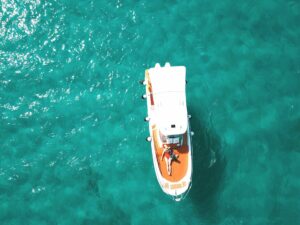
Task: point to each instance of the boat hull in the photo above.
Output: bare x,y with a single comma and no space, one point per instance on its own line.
178,183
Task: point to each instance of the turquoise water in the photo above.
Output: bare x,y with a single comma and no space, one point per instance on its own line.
72,131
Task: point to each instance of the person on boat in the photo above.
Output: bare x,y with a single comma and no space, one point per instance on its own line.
169,157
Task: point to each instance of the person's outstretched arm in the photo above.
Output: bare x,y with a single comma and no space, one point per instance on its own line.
162,156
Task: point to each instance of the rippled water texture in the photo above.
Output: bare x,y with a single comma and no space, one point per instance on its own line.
72,131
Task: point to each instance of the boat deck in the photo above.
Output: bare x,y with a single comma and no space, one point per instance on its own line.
180,167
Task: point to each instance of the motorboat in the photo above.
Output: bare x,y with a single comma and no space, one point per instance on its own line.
169,128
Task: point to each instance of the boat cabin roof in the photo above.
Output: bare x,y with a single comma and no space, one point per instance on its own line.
168,89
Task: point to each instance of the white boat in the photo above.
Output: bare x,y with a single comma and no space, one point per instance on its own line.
169,127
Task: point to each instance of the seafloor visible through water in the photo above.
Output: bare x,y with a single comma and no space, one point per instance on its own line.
72,135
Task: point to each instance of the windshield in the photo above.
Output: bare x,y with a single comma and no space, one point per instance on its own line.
171,139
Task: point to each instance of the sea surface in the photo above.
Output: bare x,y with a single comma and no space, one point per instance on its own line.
72,135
